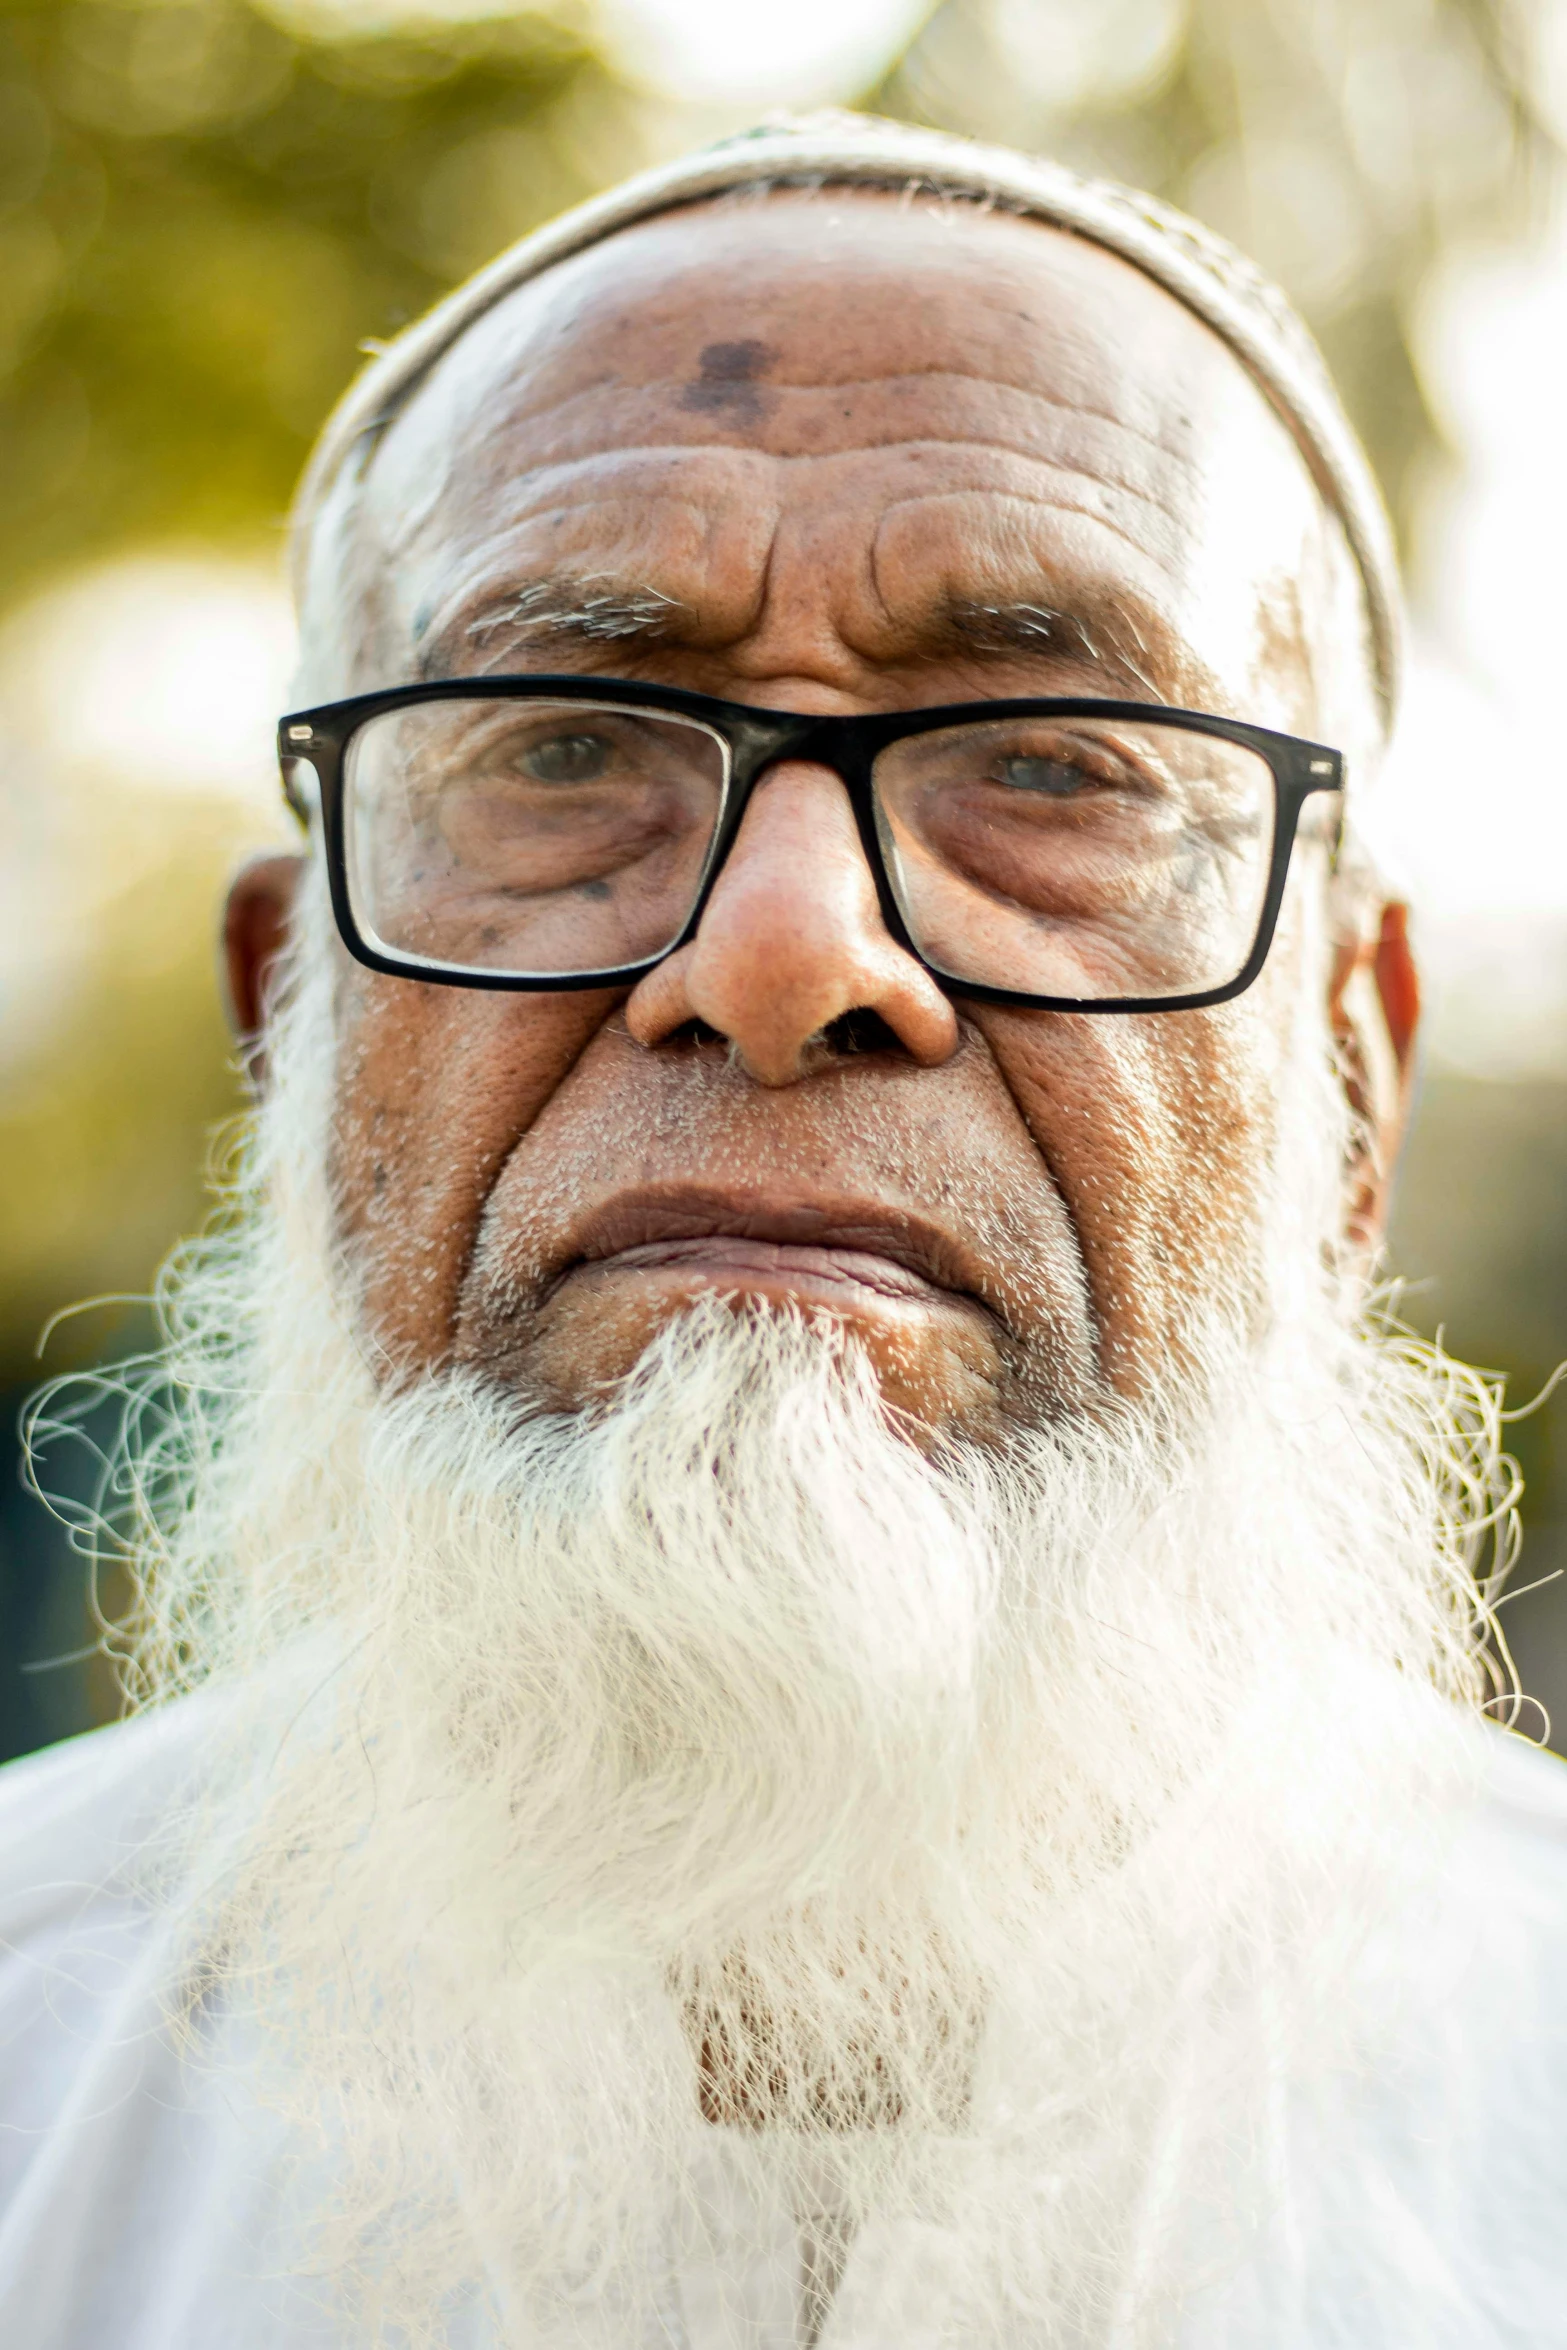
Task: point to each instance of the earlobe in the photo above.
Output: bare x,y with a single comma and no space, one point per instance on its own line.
1374,1007
1398,988
255,931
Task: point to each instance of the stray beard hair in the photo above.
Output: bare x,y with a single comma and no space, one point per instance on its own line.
963,1841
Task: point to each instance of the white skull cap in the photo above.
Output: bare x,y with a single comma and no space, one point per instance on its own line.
835,149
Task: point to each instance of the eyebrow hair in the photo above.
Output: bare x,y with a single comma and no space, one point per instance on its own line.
1129,646
1024,626
1134,652
585,608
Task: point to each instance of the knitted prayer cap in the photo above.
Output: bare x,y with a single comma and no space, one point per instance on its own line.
834,149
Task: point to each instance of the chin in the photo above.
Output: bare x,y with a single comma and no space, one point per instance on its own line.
935,1363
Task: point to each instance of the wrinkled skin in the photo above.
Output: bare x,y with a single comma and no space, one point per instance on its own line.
815,425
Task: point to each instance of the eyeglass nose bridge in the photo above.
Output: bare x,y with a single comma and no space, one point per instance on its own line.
756,748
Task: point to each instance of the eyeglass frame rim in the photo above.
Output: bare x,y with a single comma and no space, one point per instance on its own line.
756,740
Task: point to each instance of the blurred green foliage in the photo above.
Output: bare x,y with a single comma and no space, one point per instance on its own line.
207,207
103,1132
202,217
1479,1227
1346,145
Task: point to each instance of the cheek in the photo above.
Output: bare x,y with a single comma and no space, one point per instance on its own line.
436,1086
1159,1130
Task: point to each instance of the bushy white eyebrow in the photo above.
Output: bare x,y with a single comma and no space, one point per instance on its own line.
1111,642
591,607
1100,636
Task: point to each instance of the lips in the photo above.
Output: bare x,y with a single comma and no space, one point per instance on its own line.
843,1250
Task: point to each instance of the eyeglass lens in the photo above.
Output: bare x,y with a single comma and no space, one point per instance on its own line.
1085,858
533,838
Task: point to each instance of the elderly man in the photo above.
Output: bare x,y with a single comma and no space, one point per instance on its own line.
808,1679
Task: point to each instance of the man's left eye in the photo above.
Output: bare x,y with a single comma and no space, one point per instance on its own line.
1058,777
567,758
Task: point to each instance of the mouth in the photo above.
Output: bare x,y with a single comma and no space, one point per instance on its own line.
852,1255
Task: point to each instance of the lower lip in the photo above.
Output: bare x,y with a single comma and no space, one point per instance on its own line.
782,1269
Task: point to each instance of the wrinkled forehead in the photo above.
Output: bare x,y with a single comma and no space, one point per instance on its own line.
809,351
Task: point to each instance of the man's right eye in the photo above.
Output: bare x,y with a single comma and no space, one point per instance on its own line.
566,758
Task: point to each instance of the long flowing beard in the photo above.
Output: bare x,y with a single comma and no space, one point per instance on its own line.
966,1841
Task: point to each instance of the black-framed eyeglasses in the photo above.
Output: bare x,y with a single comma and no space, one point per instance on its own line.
566,832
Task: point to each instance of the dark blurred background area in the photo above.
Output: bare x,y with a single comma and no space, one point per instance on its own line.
209,208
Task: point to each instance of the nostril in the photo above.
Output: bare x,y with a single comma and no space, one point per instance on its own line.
861,1031
694,1032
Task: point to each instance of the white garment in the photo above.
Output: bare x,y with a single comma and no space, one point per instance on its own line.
140,2201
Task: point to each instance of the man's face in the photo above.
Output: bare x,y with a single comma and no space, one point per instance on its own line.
829,454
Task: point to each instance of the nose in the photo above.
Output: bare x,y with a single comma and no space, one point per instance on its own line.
792,940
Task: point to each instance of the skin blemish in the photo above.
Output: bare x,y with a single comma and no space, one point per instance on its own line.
729,381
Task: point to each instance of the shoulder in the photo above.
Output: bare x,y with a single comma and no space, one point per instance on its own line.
1497,1964
1464,2127
84,1957
1485,1953
1422,2198
84,1942
80,1935
1526,1792
77,1820
1512,1853
136,2195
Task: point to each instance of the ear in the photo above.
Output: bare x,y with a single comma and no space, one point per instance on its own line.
1374,1007
255,931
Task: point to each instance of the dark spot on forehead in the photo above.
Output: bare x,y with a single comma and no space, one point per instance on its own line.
735,362
729,379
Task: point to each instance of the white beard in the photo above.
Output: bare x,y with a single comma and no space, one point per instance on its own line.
983,1836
